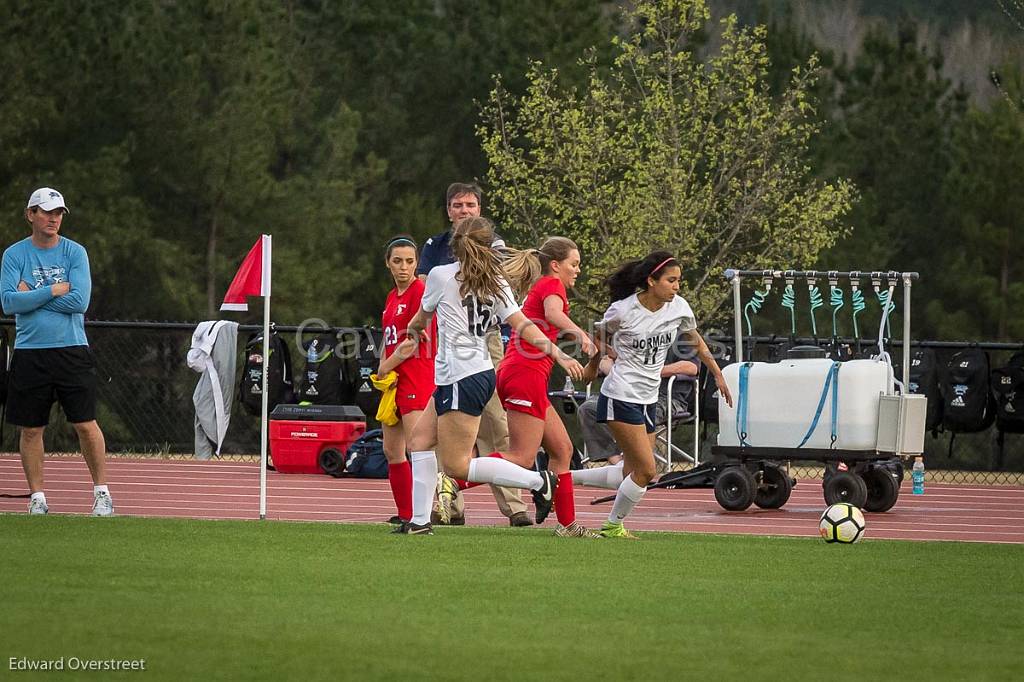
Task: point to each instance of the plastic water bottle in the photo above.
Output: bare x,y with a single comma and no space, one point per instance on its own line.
568,403
311,352
917,476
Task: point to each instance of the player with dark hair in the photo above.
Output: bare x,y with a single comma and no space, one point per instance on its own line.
412,363
637,330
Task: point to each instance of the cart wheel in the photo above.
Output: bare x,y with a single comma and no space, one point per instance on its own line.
883,489
900,472
844,486
331,462
775,488
734,488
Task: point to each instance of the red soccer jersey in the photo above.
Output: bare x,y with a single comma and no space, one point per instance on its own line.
415,374
520,354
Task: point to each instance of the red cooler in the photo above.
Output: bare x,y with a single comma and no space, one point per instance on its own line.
300,434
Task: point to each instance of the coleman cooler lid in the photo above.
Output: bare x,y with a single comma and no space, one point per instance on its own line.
318,413
806,353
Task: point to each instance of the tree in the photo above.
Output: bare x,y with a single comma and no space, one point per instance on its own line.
665,150
980,287
890,134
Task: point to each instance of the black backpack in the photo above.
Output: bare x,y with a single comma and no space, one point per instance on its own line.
924,380
365,457
1008,393
368,352
279,378
325,377
967,403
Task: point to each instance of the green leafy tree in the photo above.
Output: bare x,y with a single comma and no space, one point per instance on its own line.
666,150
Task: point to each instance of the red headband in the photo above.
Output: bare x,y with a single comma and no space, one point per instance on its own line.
661,265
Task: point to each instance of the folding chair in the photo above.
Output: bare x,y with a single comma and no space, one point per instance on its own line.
663,434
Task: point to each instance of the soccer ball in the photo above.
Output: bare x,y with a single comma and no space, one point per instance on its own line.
842,522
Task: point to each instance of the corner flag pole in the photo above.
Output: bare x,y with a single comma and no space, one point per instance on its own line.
266,363
253,279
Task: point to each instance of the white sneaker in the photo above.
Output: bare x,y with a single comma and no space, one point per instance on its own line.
102,505
37,506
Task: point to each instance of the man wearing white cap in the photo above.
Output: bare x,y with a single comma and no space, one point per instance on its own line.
45,283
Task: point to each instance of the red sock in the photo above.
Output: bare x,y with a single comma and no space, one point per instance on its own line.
400,478
565,503
466,485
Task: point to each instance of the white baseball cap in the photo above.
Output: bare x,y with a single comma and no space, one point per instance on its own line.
47,199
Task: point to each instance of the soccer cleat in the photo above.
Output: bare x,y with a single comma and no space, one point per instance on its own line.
616,530
401,529
37,506
396,520
102,505
417,529
520,520
575,530
447,489
544,499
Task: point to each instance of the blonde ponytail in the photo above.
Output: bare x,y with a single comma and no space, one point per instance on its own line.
522,269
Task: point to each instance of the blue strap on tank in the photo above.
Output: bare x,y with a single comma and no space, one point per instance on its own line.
741,404
831,380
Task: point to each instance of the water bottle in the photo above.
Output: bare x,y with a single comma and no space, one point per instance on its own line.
917,476
311,353
568,404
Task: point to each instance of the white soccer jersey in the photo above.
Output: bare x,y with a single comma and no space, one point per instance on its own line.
462,324
641,340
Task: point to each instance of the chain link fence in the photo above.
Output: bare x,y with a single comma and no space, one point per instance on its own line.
145,408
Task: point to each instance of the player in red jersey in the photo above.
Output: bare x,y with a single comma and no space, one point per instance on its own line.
414,364
524,372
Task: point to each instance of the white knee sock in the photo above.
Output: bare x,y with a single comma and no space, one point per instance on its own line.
504,473
599,477
424,482
629,494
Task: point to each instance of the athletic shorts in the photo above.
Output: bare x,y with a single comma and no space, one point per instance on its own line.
39,376
468,395
612,410
524,391
412,396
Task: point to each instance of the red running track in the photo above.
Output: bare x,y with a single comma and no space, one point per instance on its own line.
230,490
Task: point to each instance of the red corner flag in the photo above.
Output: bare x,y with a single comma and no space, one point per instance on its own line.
252,278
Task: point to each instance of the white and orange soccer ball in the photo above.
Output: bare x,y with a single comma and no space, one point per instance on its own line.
842,523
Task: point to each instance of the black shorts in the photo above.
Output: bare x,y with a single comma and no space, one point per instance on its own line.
469,395
612,410
41,375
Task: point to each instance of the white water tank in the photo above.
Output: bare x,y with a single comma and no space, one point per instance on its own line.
782,398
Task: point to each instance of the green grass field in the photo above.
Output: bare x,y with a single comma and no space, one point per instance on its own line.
303,601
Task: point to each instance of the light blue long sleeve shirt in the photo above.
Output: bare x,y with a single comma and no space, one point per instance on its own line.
42,319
